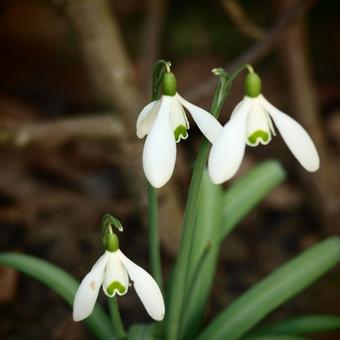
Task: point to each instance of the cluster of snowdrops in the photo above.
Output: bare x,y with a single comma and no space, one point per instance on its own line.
164,123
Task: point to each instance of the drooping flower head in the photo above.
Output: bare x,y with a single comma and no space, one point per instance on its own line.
165,123
251,123
112,271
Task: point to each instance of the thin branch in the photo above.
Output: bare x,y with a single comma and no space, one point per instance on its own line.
325,183
102,127
53,133
241,20
105,55
151,39
259,49
111,69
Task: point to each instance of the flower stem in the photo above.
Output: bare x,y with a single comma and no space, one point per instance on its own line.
160,68
116,319
179,281
250,68
154,249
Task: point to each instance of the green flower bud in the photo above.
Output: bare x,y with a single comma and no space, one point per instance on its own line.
111,242
169,84
252,85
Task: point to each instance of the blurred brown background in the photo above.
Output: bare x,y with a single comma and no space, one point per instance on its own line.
74,75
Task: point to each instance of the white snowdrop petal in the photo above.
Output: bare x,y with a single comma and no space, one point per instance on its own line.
205,121
177,115
87,293
295,136
146,118
227,152
159,154
146,288
115,279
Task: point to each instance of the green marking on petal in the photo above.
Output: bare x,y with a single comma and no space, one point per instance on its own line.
259,134
115,286
180,133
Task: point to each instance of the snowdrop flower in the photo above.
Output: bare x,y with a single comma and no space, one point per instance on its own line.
164,122
251,124
112,271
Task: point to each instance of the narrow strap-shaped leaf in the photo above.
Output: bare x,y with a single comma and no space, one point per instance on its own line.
302,324
141,332
178,284
207,221
242,196
277,337
203,256
274,290
62,283
247,192
198,294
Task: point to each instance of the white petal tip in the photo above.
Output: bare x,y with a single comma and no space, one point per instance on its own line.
315,166
157,183
158,174
158,317
79,316
219,178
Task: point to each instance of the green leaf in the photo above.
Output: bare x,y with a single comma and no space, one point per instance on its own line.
247,192
281,285
62,283
203,256
207,221
302,324
142,332
276,337
180,279
198,294
242,197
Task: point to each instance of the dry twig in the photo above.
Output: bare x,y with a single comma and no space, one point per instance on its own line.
111,70
261,48
241,20
255,53
325,183
151,39
53,133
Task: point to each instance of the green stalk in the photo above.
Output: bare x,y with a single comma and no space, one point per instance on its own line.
181,267
154,248
159,69
116,319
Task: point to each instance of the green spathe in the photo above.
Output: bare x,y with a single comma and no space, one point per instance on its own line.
169,84
259,134
252,85
109,221
115,286
180,133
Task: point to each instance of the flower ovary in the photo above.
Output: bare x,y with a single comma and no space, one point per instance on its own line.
252,85
169,84
111,242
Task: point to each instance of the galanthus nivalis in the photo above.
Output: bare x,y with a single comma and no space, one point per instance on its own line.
112,271
165,124
251,124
